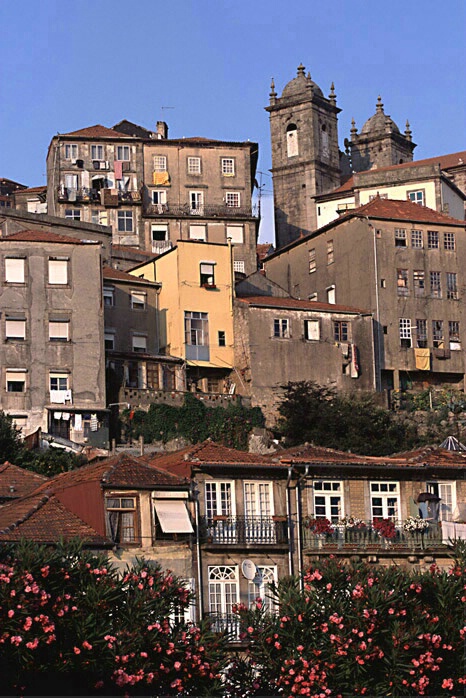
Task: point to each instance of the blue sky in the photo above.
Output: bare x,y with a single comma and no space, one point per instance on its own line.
204,66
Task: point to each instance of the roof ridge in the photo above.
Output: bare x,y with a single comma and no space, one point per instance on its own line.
43,500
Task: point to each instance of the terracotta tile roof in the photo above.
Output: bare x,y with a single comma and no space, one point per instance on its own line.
127,248
345,187
31,190
119,275
97,131
404,211
21,480
445,162
296,304
41,517
121,470
263,249
41,236
319,454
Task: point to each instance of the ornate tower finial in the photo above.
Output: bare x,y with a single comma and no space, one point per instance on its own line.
301,69
354,130
332,96
272,94
379,105
408,132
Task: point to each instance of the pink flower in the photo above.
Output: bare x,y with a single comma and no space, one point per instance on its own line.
177,666
32,645
11,613
76,650
87,645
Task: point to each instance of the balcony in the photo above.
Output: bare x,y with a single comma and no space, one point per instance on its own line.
225,623
244,530
205,211
86,195
366,538
161,246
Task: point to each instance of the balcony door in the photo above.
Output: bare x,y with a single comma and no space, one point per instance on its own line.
328,500
223,595
220,511
258,511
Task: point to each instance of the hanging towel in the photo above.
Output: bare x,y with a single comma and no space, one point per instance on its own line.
78,422
118,169
57,415
57,396
160,178
354,361
94,422
66,416
422,358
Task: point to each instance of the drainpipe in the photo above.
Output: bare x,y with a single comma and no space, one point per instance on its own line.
378,357
200,595
299,525
288,520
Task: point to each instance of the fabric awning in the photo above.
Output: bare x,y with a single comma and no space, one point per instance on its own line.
173,516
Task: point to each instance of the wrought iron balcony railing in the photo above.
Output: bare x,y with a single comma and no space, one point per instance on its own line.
255,530
87,194
205,211
225,623
365,536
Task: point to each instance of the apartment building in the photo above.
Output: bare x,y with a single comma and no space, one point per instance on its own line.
404,263
52,336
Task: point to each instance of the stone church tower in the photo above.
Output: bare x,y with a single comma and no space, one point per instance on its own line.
380,143
305,155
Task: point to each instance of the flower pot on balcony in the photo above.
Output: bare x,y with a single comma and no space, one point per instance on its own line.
279,519
219,517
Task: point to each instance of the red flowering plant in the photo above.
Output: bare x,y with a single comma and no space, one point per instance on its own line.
319,525
356,630
385,528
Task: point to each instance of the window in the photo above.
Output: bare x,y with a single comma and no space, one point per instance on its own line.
452,287
435,284
223,595
95,216
446,491
139,343
405,332
228,167
258,588
97,152
196,329
421,333
71,151
416,239
14,270
196,202
330,257
207,276
219,500
159,233
109,341
15,328
160,163
454,334
437,334
432,240
71,183
198,232
73,214
417,197
331,295
125,221
448,241
16,380
311,330
312,260
121,519
239,266
59,330
138,300
292,148
419,282
328,500
258,510
194,165
312,297
400,237
159,199
222,342
58,272
109,296
236,234
385,500
58,382
383,283
232,199
402,282
340,331
281,328
123,152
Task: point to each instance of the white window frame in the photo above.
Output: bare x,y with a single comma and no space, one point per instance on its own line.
125,221
239,266
433,241
59,330
159,198
139,343
109,296
160,163
15,329
97,151
73,214
124,153
401,237
405,331
325,494
311,330
196,203
417,196
15,268
138,300
71,151
58,272
219,499
233,199
449,242
228,167
258,588
15,375
223,583
281,328
388,492
258,499
331,295
447,504
417,239
194,165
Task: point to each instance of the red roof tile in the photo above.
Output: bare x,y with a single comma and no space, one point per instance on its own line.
119,275
17,482
445,162
97,131
44,519
405,211
41,236
31,190
296,304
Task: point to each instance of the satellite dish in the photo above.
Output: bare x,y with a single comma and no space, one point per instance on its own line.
248,569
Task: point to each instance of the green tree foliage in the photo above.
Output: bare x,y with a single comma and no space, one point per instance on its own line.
195,421
10,439
71,625
357,630
316,414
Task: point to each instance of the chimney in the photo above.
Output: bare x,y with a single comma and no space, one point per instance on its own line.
162,130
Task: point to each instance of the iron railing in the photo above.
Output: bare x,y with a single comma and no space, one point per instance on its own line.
205,211
225,623
254,530
367,537
87,194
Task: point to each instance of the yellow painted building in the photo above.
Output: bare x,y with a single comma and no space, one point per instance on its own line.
195,310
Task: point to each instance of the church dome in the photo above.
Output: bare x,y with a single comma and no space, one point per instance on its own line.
300,84
379,121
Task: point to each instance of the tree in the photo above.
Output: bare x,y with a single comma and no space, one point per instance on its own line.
320,415
10,439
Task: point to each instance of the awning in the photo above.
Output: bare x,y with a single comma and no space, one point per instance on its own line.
173,516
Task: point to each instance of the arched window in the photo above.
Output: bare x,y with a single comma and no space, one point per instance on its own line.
292,140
